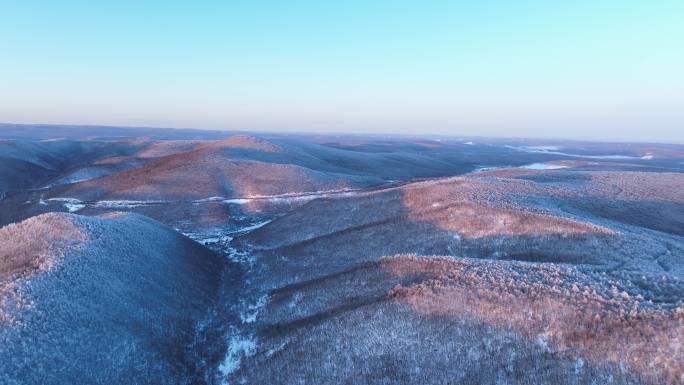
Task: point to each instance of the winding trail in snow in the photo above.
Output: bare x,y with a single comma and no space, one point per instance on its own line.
74,204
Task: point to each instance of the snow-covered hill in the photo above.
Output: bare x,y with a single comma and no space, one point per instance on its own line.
101,300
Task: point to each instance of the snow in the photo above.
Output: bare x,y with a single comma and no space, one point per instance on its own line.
487,168
579,366
296,299
73,207
290,197
71,204
210,199
250,313
553,151
543,166
543,342
254,226
543,148
240,342
275,349
240,257
210,240
238,346
237,201
127,204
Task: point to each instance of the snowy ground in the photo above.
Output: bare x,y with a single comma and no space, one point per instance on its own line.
543,166
243,310
553,150
309,295
74,204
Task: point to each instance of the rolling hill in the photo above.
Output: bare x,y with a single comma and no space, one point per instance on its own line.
112,299
513,265
339,259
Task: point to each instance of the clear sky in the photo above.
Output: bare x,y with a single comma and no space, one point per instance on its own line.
575,69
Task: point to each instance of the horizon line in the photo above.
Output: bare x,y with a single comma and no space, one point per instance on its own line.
332,132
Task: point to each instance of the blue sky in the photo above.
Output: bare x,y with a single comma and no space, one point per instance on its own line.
582,69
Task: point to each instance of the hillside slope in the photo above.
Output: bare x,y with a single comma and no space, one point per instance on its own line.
526,276
534,219
33,164
206,171
101,300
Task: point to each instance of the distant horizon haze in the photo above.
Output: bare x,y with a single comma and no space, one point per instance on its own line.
608,71
351,133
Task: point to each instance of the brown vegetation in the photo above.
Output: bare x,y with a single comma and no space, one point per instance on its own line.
30,247
33,244
202,173
462,205
553,305
246,142
168,147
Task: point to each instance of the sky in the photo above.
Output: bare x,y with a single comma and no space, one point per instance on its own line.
604,70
